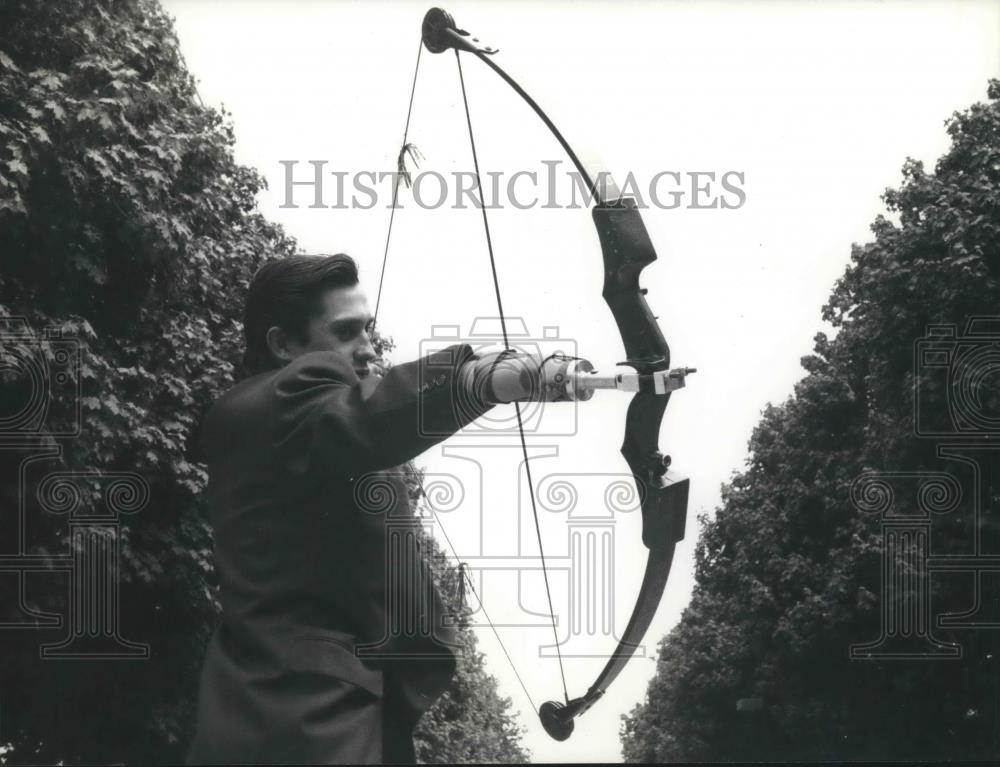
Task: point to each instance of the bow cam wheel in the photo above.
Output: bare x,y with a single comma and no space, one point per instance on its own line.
436,21
555,723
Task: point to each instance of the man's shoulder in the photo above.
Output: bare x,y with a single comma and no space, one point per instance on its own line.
240,395
313,368
239,402
254,395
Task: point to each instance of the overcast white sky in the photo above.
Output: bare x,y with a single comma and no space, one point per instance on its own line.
816,104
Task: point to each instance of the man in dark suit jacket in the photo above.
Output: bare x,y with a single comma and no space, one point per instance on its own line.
293,453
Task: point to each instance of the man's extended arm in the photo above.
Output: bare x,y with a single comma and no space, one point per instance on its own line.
501,376
327,419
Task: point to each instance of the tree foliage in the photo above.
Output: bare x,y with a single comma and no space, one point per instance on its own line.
472,722
127,226
788,572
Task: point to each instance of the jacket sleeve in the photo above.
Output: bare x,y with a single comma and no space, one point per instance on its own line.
327,419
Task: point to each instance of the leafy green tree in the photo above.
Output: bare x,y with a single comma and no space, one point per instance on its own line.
471,723
788,572
126,225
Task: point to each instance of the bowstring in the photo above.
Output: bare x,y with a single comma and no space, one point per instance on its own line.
395,186
506,343
378,301
464,571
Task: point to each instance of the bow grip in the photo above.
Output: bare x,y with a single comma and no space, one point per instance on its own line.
627,250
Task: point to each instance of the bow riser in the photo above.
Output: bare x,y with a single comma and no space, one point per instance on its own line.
627,250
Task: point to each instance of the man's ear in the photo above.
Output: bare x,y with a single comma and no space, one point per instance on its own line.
279,344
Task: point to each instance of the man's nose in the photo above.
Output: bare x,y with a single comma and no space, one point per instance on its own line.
365,352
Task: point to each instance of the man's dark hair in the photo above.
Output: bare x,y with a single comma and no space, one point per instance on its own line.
286,293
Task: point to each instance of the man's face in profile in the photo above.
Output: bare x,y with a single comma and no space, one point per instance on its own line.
342,326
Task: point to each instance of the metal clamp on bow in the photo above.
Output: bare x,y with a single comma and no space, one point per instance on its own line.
583,383
627,250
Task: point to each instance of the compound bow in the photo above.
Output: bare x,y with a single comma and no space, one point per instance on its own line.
627,250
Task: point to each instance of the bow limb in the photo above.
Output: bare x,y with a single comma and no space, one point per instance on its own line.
441,34
557,718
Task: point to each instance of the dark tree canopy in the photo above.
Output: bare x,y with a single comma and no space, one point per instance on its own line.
125,224
788,571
